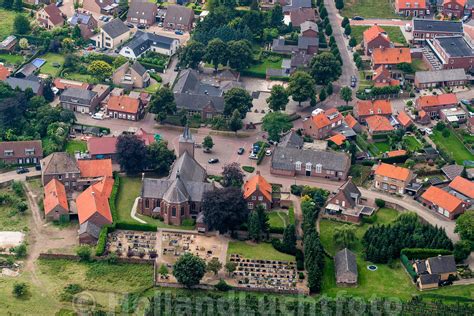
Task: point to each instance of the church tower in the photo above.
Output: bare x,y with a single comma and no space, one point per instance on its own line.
186,143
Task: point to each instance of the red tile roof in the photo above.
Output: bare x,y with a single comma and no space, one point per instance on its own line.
55,15
123,103
302,15
461,3
411,4
148,138
338,139
95,168
105,186
394,172
396,153
463,186
322,119
404,119
442,199
54,195
377,107
102,145
391,56
91,202
426,101
377,123
373,32
350,120
259,183
4,73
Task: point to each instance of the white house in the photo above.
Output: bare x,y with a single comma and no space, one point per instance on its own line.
142,42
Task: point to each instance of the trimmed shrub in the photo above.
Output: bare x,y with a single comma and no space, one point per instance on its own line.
136,226
408,267
248,169
223,286
296,189
423,253
291,215
380,203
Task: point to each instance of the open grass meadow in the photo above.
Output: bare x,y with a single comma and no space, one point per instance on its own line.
76,145
10,219
412,143
452,146
6,22
11,59
263,251
393,32
380,9
262,67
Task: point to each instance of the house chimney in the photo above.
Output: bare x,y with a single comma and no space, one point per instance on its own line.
258,172
143,176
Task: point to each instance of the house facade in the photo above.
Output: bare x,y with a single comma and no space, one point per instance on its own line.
50,16
179,18
322,123
132,76
411,7
433,104
442,202
79,100
454,9
62,167
440,78
143,42
125,108
424,29
86,23
142,12
375,37
112,34
391,178
257,191
21,152
55,201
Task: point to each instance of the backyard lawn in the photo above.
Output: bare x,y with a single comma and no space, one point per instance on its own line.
412,143
48,67
10,219
359,174
393,32
264,251
266,64
11,59
6,23
419,65
78,77
383,146
452,146
76,145
153,88
278,219
129,190
369,9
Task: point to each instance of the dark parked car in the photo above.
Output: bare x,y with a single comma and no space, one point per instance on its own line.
240,151
21,170
38,166
213,160
141,26
358,18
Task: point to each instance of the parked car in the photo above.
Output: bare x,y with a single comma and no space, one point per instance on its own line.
130,25
59,3
428,131
268,152
38,167
465,102
353,84
253,156
178,32
141,26
240,151
21,170
358,18
213,160
98,116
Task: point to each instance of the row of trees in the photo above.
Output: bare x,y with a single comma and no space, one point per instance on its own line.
16,5
383,243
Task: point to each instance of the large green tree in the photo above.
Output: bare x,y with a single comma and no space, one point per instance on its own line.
465,226
325,68
254,229
216,53
192,54
159,158
237,99
21,24
344,235
189,270
278,98
346,94
289,239
100,69
276,123
240,54
235,122
162,103
232,175
301,87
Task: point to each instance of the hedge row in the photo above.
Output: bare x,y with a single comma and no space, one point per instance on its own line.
136,226
102,241
152,66
396,159
251,73
423,253
291,215
113,197
261,153
408,267
276,230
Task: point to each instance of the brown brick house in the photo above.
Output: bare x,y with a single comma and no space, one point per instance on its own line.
452,52
433,104
442,202
322,124
125,107
60,166
391,178
179,18
375,37
50,16
100,6
454,8
132,76
21,152
55,201
411,7
257,191
366,108
142,12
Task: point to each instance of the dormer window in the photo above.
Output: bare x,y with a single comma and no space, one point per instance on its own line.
8,153
29,151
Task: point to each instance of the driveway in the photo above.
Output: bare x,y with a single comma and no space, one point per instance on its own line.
12,175
67,8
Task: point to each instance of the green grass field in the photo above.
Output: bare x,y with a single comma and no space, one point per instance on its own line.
369,9
452,146
419,65
6,23
412,143
382,146
48,67
278,219
393,32
359,174
78,77
11,59
264,251
266,64
76,145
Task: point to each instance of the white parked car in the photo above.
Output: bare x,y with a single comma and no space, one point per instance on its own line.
428,131
98,116
268,152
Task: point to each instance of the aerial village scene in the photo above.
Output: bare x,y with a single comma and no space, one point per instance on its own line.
236,157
